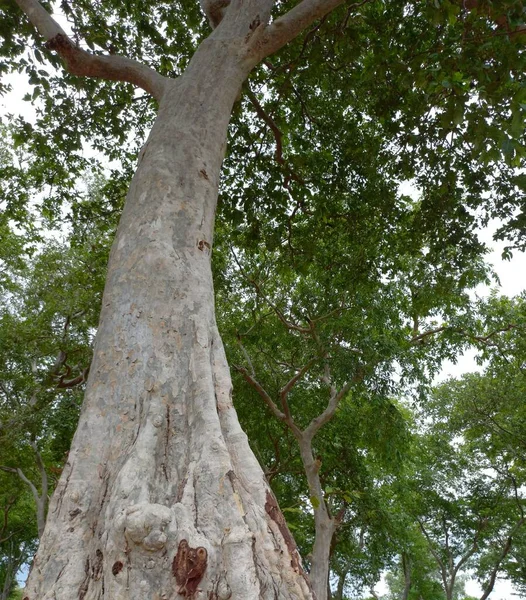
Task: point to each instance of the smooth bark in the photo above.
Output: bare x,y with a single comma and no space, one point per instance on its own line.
159,456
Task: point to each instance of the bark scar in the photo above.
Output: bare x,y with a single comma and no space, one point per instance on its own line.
188,567
273,511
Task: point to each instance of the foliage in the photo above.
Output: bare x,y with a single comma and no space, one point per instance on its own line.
17,532
320,254
50,290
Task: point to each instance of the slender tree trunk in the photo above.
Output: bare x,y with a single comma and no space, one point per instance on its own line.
159,456
12,560
449,589
8,581
338,594
406,565
325,525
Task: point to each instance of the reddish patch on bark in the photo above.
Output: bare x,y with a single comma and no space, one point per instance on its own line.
202,244
273,511
188,567
117,568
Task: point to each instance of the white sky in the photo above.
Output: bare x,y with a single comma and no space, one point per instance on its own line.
512,275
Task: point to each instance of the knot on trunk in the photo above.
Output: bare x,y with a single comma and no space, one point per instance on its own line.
145,524
215,10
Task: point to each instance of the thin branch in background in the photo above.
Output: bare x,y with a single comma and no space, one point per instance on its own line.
278,135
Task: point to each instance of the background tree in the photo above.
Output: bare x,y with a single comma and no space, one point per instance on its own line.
466,490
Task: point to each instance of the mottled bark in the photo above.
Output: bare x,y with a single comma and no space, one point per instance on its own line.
159,456
325,524
160,474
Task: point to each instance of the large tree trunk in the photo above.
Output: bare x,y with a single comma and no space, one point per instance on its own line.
159,456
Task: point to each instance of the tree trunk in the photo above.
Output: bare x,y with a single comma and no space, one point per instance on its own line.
338,594
406,565
12,559
159,456
325,525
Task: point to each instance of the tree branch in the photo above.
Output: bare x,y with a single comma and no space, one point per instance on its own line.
495,571
286,418
82,63
287,27
42,469
260,111
284,392
214,10
318,422
262,392
31,485
3,530
440,562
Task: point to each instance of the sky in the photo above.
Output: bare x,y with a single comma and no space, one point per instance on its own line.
512,276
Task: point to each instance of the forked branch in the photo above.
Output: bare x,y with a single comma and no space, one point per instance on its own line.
82,63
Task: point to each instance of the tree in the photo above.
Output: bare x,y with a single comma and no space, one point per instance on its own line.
17,532
158,460
49,307
466,488
179,441
488,412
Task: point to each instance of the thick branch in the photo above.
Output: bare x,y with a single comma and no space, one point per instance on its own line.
287,27
82,63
